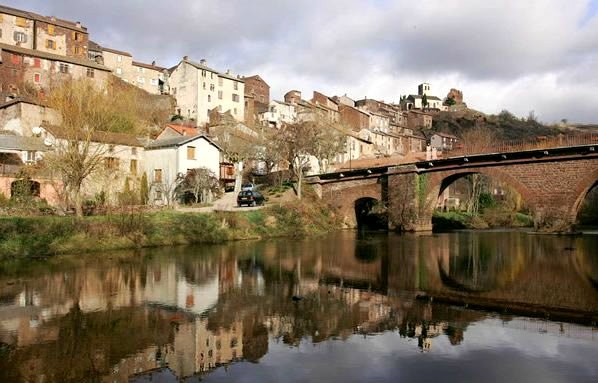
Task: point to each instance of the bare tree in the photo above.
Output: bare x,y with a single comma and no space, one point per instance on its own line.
330,141
88,113
296,142
239,144
202,183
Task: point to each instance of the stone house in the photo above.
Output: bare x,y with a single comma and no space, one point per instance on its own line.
443,141
258,88
21,116
43,33
149,77
22,66
278,113
415,101
17,152
198,89
418,120
354,118
170,158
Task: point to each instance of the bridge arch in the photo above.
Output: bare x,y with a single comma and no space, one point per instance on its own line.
346,199
581,190
438,182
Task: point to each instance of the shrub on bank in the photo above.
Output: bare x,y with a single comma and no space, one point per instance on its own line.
30,237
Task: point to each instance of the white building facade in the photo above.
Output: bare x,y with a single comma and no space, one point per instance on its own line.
198,89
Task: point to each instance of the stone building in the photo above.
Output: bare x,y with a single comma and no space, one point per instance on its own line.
21,66
354,118
258,88
198,89
257,98
43,33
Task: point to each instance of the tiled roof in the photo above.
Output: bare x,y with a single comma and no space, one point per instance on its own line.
183,130
17,100
11,142
205,67
148,66
50,20
122,53
98,136
177,141
53,57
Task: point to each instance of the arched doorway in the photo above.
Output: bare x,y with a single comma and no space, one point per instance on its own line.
370,214
24,188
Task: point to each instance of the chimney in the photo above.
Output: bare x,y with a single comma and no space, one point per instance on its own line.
203,62
53,18
154,63
185,58
78,24
228,71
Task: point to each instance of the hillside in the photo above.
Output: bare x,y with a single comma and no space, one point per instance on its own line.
505,125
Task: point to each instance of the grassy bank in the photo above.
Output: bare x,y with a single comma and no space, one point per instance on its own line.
42,236
490,218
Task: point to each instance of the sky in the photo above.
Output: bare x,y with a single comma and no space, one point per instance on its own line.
532,55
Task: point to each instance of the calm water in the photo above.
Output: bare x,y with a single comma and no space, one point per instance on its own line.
458,307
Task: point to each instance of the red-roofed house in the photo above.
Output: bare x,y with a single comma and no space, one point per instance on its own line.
174,130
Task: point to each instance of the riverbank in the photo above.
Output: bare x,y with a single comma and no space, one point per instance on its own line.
43,236
490,218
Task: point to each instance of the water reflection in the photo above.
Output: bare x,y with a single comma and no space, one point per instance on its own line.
184,312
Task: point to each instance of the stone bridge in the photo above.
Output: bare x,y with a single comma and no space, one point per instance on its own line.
552,182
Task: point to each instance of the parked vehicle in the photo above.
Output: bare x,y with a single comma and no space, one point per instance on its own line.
248,187
250,198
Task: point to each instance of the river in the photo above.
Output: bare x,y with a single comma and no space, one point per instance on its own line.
492,306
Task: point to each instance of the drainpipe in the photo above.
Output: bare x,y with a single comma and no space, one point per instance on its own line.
34,34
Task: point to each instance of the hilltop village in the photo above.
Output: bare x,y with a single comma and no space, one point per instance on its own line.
202,108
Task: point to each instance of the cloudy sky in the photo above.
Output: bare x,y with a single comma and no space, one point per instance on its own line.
539,55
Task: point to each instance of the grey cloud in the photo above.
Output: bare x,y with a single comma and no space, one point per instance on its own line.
379,47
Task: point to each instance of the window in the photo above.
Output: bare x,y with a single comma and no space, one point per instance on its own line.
212,87
37,63
0,33
77,36
209,98
90,73
77,50
219,81
21,22
139,69
133,151
30,156
157,175
236,85
235,110
51,30
50,44
220,95
203,74
235,97
111,162
133,167
204,86
37,77
154,81
20,37
64,68
119,71
119,58
141,80
190,152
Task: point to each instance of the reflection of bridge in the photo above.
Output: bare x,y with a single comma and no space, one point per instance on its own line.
552,181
